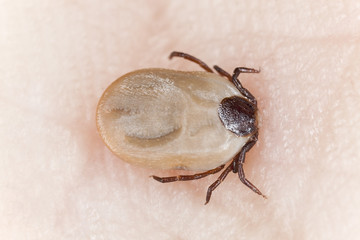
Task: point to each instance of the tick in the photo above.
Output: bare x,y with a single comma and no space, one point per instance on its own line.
167,119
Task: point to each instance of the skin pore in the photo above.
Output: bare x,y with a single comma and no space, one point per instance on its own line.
58,180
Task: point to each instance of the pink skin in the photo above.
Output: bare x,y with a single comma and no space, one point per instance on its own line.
59,181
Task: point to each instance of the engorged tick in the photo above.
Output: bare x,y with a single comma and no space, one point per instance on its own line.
166,119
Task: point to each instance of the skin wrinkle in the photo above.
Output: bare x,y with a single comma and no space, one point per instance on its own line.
59,181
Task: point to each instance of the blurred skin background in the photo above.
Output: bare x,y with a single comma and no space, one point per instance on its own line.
59,181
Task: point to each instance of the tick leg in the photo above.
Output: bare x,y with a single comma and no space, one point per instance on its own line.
223,73
240,163
251,142
238,85
235,163
191,58
187,177
217,182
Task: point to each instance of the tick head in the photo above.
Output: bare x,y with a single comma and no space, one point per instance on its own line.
238,115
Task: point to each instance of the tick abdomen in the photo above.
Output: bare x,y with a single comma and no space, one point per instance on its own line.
168,119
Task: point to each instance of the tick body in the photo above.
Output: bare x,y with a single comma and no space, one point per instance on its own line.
166,119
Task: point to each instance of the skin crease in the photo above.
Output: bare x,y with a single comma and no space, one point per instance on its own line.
59,181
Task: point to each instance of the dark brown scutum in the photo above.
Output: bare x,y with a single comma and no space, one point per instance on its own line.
238,115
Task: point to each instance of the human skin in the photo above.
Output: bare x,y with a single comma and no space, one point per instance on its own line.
59,181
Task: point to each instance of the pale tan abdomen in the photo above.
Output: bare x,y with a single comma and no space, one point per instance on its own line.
167,119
